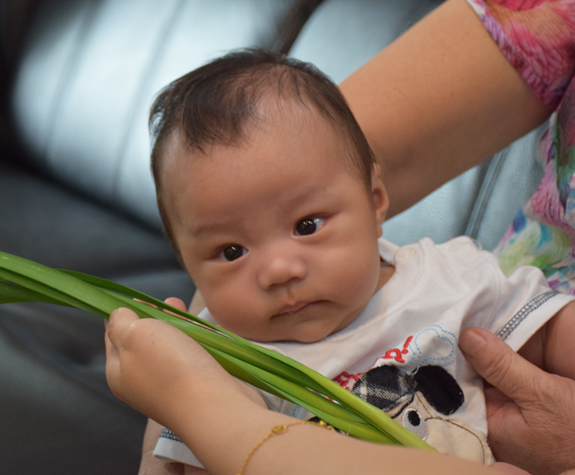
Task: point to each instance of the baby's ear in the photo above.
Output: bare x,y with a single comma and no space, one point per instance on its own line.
379,195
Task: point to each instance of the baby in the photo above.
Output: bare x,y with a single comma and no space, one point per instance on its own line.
273,203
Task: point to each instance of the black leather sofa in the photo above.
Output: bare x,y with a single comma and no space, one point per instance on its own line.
77,78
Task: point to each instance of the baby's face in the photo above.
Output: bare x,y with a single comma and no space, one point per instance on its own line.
278,234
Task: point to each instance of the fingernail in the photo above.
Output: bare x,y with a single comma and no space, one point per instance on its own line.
471,341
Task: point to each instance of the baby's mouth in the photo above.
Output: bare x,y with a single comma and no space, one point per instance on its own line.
290,309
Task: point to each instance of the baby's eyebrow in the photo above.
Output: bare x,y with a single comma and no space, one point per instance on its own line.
311,197
199,230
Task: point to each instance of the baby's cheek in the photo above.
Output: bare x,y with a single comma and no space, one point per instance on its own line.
233,309
357,273
360,286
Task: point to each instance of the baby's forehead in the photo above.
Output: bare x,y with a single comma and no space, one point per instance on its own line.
273,115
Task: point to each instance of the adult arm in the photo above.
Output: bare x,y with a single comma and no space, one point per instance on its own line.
439,100
156,369
149,465
531,413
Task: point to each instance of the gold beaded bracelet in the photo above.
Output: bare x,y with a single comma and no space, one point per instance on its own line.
278,430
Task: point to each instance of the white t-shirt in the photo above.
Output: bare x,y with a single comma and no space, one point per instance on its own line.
402,354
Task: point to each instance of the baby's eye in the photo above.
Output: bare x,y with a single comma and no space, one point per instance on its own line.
233,252
308,226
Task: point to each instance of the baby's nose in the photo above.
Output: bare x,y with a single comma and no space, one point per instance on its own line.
281,269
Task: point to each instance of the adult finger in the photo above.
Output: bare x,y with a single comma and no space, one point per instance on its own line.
500,366
116,338
112,352
120,319
502,467
176,302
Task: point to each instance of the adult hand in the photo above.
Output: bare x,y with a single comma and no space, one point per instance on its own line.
530,413
152,365
148,464
508,469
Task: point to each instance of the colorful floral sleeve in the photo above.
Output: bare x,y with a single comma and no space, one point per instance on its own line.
538,38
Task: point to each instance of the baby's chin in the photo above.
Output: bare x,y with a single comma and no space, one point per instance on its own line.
291,330
298,336
304,334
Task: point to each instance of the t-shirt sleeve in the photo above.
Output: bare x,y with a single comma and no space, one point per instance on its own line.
538,39
525,303
170,448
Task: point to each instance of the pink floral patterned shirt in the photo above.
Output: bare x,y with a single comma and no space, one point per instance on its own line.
538,39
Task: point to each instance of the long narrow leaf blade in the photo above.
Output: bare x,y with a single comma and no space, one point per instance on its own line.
304,375
260,366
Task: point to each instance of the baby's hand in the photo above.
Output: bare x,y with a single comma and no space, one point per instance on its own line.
155,368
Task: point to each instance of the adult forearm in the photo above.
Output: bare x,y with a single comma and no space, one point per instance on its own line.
303,449
439,100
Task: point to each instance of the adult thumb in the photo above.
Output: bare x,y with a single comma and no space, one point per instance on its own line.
500,366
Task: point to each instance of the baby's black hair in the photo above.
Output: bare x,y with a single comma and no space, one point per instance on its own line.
216,103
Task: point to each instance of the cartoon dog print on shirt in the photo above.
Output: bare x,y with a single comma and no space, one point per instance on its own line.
411,385
421,402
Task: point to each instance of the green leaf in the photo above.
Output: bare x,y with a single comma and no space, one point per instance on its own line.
19,294
259,366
